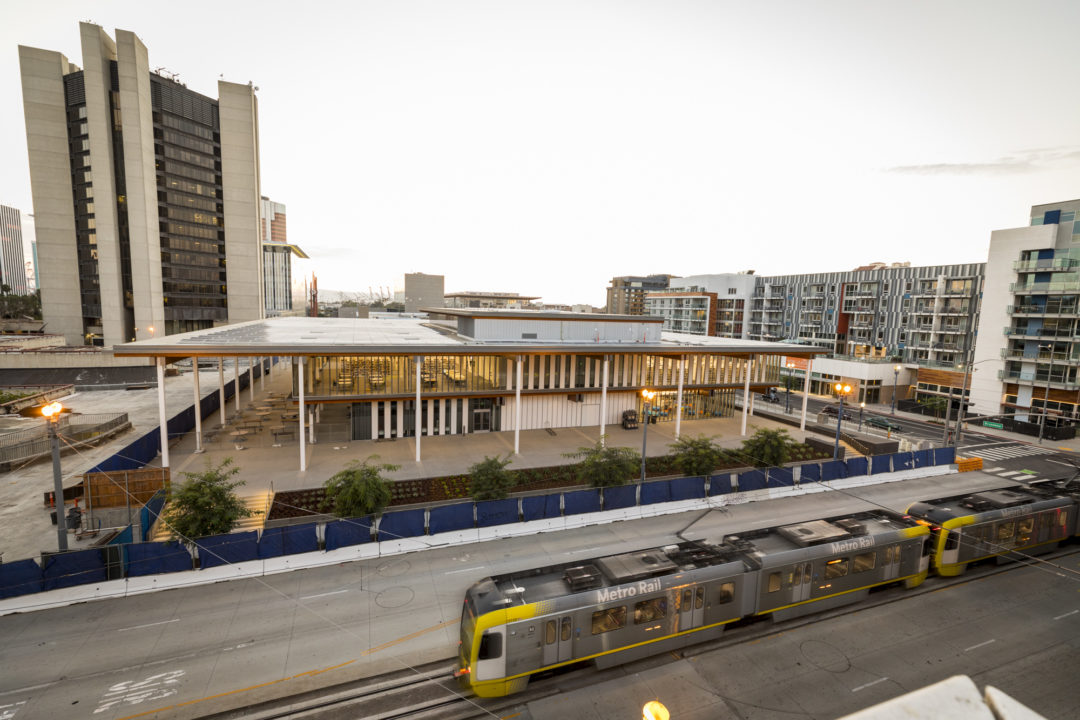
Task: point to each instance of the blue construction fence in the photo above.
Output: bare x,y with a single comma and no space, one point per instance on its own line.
142,451
153,558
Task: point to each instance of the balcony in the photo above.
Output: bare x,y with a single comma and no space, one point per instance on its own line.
1020,355
953,329
863,292
954,310
1041,379
1062,286
1061,264
924,291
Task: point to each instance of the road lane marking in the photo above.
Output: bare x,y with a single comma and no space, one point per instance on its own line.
1010,472
140,627
8,714
1058,462
335,592
996,469
1067,614
464,570
307,673
869,684
976,647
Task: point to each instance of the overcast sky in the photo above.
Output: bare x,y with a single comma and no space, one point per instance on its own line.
544,147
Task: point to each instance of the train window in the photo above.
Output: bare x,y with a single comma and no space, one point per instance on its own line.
699,598
952,540
927,547
490,646
1024,528
549,632
727,593
565,635
806,574
866,561
1005,531
836,568
797,579
685,604
607,620
649,610
774,582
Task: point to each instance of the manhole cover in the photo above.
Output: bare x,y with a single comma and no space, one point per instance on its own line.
393,568
394,597
824,656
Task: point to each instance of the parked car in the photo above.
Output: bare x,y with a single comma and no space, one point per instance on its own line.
834,411
883,422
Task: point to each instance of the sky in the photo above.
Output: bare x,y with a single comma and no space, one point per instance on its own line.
546,147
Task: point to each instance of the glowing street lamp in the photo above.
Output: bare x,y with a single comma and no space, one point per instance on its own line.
647,395
52,414
895,376
841,390
655,710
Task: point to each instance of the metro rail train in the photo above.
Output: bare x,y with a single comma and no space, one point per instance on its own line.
618,608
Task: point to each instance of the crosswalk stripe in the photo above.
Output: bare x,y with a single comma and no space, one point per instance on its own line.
1011,472
1008,451
993,469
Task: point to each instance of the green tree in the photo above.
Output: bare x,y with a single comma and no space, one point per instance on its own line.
359,489
490,480
205,503
696,455
935,405
601,466
791,383
767,448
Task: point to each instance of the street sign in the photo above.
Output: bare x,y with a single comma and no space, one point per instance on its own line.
987,423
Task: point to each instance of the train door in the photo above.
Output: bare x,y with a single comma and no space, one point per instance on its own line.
890,566
691,607
800,582
558,636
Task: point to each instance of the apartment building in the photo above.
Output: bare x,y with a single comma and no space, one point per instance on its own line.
716,305
626,295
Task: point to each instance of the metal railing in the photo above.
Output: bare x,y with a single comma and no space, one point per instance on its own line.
34,442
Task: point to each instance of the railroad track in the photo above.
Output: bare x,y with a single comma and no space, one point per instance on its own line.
429,692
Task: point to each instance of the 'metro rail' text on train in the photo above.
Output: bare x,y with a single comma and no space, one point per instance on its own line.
620,592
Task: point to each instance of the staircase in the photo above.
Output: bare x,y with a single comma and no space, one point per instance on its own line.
258,503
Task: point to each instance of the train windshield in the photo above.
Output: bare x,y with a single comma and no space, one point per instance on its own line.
468,627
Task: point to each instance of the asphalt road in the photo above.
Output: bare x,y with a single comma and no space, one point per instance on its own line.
187,652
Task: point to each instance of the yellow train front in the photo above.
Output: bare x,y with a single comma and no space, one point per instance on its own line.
619,608
994,524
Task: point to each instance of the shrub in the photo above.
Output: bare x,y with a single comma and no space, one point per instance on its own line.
206,503
490,480
696,455
359,489
602,466
767,448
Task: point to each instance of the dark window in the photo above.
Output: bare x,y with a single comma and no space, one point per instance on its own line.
727,593
490,646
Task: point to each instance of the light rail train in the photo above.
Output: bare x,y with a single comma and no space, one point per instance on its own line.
618,608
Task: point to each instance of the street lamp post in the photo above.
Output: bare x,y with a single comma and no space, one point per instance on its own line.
862,406
647,395
841,390
895,377
52,414
787,387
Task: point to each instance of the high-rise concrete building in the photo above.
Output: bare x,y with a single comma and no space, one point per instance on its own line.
626,296
146,194
1027,356
279,288
12,264
423,291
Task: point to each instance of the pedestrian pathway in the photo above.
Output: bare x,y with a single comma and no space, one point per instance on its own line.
998,451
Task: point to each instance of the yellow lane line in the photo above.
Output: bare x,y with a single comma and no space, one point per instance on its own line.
370,651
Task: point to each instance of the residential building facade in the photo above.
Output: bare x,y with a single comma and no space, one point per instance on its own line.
146,194
1027,356
717,305
511,301
13,266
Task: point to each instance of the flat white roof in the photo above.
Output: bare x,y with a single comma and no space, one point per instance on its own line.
364,336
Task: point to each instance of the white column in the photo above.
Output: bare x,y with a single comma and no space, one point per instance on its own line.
164,427
251,379
300,383
678,398
262,374
387,408
236,382
311,425
431,416
573,372
418,408
198,403
746,393
221,388
603,402
453,415
806,391
517,409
